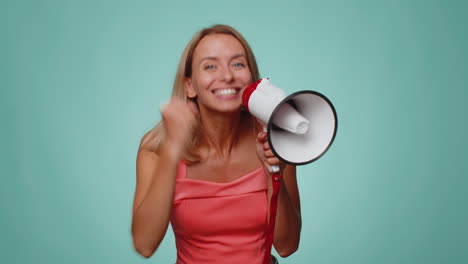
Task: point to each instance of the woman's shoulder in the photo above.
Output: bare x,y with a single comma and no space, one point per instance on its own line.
148,143
147,155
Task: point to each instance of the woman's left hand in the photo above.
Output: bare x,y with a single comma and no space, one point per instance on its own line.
265,154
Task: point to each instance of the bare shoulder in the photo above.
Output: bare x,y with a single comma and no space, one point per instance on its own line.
147,158
146,155
147,139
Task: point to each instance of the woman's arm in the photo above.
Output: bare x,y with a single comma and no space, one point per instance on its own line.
288,217
156,177
153,199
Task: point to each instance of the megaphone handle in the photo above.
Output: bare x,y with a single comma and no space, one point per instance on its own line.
273,168
276,182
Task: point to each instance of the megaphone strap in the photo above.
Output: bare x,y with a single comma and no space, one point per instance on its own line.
276,182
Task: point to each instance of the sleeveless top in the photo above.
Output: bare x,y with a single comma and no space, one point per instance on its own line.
220,222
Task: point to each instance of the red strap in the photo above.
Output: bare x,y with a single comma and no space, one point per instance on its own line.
276,182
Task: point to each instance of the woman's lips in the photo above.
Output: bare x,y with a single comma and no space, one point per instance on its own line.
226,92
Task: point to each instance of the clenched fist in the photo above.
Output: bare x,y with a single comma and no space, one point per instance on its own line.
180,120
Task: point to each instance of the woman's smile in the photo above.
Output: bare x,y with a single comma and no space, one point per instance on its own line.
226,93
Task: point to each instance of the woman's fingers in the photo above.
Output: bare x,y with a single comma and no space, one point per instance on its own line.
261,137
268,157
273,161
268,153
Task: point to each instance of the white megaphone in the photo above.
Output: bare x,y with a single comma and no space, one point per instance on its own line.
300,127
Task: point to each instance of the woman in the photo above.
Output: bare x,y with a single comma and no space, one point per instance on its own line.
202,168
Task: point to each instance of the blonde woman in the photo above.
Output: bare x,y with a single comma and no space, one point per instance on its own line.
202,168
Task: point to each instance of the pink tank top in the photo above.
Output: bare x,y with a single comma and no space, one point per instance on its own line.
220,222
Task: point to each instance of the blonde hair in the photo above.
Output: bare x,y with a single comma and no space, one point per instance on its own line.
153,138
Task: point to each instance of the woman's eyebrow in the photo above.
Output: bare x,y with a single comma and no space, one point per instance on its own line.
208,58
238,56
216,58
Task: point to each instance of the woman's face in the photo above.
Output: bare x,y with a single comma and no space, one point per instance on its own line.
220,72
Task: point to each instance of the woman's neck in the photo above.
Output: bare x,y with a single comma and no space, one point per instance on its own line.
221,133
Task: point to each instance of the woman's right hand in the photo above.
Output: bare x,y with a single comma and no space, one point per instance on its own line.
180,121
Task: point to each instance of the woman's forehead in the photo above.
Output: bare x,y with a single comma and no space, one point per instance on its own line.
218,46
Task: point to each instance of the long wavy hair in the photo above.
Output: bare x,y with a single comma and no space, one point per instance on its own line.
153,138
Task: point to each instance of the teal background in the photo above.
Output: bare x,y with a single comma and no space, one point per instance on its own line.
81,82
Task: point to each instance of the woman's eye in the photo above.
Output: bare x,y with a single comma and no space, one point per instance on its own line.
209,67
238,65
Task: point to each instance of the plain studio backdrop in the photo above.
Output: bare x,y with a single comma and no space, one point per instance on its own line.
81,82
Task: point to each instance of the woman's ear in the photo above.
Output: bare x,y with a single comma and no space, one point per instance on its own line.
189,90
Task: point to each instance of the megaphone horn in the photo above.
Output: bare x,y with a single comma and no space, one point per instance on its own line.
301,127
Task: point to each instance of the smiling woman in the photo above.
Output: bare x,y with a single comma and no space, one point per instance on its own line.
203,167
220,71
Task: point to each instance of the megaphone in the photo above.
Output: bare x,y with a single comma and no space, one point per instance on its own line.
301,127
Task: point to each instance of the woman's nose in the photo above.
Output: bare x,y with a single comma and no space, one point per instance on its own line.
226,75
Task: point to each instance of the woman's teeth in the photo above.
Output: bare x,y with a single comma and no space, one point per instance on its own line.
229,91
